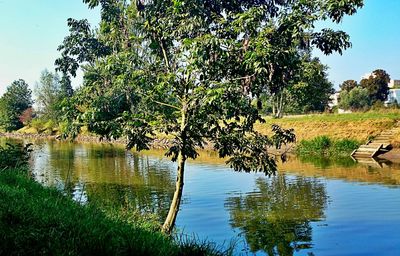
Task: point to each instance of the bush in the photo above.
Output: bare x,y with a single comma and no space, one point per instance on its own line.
38,124
14,156
356,99
44,126
326,147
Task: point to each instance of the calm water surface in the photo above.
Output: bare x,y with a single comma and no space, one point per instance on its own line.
309,208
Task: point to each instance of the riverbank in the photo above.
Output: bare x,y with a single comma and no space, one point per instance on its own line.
359,126
35,220
356,128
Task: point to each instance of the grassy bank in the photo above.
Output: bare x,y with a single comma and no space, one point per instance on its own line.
358,126
324,146
35,220
355,126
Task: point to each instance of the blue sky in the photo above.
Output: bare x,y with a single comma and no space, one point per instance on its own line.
375,35
31,30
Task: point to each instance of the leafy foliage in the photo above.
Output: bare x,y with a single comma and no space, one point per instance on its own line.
355,99
312,92
323,146
191,69
14,156
49,95
348,85
13,103
377,85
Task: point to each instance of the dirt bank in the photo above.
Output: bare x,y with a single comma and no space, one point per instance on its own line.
393,155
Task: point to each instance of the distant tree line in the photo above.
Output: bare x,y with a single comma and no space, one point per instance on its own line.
372,90
17,108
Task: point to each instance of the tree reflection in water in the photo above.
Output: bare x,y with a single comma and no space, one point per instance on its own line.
276,218
107,176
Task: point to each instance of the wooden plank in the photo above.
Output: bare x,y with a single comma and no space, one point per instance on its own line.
376,152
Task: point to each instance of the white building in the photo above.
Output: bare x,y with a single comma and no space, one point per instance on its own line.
333,100
394,96
394,83
394,92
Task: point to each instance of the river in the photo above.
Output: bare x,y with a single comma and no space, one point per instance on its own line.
310,207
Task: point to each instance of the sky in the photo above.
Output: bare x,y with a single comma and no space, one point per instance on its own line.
31,30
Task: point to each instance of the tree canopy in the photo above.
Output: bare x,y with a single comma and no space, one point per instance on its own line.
377,85
16,99
348,85
310,91
193,70
48,95
355,99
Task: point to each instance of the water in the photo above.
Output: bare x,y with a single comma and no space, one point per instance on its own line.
309,208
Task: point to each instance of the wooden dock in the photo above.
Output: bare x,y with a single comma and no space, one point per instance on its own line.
379,145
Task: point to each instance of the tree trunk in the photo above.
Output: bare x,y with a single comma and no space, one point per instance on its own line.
169,222
176,200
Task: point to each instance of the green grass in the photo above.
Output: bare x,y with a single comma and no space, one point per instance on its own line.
393,114
357,126
323,146
35,220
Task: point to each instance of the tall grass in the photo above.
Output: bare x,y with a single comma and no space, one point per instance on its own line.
35,220
323,146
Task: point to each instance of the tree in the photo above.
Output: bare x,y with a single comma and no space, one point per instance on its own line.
16,99
377,85
348,85
313,90
48,95
357,98
192,69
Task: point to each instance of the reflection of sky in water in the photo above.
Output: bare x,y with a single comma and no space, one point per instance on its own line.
360,214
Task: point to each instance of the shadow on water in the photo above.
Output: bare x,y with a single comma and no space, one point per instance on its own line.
276,217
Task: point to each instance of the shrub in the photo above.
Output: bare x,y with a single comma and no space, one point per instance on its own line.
14,156
38,124
356,99
326,147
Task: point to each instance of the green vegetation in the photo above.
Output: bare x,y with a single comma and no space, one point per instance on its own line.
326,147
189,69
35,220
356,99
14,156
13,103
359,126
310,92
371,91
49,96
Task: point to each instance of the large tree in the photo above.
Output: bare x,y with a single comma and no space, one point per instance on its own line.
48,95
16,99
309,91
193,69
377,85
